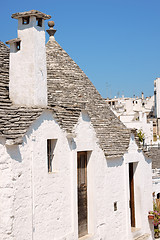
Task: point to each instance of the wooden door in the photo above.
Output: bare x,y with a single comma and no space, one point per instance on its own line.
131,184
82,193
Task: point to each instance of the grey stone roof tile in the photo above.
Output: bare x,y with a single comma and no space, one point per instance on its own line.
153,152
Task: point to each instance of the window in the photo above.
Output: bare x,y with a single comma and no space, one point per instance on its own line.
25,20
115,206
51,143
18,46
39,22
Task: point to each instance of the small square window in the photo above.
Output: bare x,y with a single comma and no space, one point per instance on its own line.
25,20
18,46
51,143
39,22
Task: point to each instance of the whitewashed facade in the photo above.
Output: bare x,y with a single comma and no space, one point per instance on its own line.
41,205
38,203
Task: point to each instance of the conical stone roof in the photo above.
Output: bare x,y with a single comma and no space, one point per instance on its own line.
69,87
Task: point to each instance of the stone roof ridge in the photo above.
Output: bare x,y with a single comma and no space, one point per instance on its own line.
35,13
13,40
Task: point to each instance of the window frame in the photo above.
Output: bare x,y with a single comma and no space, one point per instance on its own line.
25,20
51,144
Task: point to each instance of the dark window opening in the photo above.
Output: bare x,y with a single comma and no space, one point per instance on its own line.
39,22
51,143
158,196
18,47
25,20
115,206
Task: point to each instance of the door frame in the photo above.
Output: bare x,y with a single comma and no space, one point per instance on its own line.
85,153
132,194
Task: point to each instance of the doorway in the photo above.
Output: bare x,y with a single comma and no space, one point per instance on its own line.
82,193
131,186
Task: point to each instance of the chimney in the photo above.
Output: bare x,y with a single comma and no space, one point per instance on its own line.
28,73
142,96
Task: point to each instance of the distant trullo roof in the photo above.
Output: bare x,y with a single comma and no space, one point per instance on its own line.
69,91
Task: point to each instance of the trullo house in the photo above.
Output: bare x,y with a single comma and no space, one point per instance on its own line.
69,168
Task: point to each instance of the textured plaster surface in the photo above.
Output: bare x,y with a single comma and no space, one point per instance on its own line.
41,205
142,187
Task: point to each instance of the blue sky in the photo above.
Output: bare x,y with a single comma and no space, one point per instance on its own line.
115,42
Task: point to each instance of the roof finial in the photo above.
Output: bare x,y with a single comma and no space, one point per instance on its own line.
51,31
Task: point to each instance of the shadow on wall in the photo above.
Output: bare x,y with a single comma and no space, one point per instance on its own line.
115,162
148,160
72,144
14,152
45,116
85,116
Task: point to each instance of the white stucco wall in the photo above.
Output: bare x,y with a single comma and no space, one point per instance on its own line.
41,205
141,124
6,194
142,187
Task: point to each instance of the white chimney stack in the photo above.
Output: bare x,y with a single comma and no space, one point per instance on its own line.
28,73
